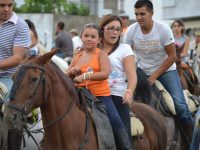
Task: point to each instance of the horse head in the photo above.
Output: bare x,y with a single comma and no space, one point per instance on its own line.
27,91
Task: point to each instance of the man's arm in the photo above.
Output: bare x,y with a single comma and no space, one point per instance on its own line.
171,52
19,54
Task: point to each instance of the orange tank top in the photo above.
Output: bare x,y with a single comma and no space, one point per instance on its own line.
97,88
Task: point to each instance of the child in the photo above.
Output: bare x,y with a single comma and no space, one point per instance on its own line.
94,68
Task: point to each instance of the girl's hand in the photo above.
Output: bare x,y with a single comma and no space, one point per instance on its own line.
127,98
75,71
79,79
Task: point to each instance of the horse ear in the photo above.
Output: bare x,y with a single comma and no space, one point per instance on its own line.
46,57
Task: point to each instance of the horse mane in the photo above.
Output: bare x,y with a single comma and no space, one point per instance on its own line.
69,85
143,88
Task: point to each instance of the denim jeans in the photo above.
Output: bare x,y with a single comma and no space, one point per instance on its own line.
195,144
171,81
8,83
112,113
124,112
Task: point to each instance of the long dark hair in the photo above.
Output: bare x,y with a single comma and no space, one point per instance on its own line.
31,27
106,20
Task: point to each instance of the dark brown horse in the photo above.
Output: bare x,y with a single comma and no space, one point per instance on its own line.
155,133
149,94
41,84
187,76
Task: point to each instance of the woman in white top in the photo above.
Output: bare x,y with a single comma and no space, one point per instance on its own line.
123,78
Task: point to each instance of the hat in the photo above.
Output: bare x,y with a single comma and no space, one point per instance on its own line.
197,33
124,16
74,30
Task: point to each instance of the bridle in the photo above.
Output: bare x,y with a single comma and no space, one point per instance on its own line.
23,110
19,77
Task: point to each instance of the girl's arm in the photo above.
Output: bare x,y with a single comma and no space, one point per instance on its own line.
97,76
104,68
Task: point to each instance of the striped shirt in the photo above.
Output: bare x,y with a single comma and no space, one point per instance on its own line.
14,32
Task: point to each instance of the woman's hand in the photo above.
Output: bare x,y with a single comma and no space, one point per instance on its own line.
128,96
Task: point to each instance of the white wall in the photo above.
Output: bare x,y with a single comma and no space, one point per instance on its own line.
44,27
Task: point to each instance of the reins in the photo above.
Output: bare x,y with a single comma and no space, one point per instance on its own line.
23,110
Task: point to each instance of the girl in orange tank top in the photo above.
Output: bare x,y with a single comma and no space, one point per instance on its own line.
90,68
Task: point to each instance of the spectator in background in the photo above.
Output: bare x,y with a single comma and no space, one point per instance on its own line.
125,21
181,40
63,41
33,48
197,43
75,39
196,47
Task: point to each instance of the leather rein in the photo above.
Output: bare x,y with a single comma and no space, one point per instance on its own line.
23,110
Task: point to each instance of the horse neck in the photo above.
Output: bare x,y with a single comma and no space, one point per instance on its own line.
59,102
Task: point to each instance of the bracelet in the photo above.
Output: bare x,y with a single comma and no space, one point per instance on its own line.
84,76
89,75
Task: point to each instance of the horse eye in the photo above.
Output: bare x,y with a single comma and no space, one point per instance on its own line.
34,79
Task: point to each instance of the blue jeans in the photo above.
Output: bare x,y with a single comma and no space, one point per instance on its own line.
112,113
124,112
195,145
8,83
171,81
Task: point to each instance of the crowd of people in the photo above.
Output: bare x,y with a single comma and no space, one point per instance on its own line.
106,57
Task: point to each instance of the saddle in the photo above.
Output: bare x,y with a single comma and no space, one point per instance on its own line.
137,128
191,101
98,112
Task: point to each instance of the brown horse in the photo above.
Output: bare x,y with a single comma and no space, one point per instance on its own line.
149,94
155,133
187,76
41,84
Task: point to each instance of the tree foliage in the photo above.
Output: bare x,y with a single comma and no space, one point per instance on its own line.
53,6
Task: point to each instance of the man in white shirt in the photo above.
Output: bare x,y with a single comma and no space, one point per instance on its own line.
153,44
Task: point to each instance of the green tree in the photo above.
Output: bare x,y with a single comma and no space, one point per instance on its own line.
53,6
